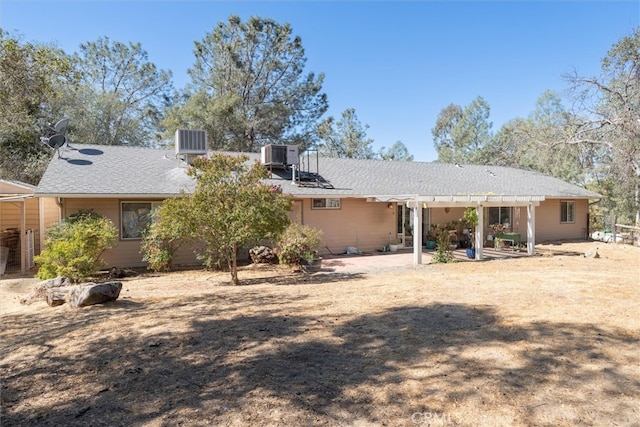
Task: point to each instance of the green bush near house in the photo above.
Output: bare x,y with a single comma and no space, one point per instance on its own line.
298,242
74,245
443,253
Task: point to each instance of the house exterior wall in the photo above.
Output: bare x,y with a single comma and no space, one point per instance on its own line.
441,216
358,223
49,214
126,253
549,227
367,226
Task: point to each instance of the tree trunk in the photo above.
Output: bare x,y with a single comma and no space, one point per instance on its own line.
233,265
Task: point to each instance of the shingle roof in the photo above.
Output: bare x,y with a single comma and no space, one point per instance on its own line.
97,170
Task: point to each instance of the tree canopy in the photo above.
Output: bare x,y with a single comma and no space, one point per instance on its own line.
121,96
229,210
594,143
32,80
608,117
249,88
345,138
461,134
398,152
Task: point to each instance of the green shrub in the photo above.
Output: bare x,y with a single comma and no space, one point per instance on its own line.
163,236
443,253
158,251
298,242
74,245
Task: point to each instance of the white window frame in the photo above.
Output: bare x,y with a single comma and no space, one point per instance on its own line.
325,203
131,228
569,214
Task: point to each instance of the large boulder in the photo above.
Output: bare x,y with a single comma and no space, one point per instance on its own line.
59,290
94,293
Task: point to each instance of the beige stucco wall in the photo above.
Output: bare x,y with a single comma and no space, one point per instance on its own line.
127,252
441,216
358,223
548,226
364,225
51,212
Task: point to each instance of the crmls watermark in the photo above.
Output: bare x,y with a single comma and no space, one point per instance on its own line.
431,419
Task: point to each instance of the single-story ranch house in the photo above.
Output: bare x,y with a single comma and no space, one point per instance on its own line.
362,204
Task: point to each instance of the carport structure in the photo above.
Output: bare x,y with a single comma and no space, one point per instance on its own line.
19,222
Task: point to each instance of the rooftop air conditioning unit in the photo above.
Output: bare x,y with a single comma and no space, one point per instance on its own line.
191,141
279,155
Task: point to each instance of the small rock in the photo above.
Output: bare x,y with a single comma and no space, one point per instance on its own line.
593,253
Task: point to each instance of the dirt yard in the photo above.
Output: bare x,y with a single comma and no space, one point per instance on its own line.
550,340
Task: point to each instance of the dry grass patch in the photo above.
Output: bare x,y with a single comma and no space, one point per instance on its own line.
547,340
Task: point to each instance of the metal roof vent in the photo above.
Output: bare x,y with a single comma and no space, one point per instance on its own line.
191,141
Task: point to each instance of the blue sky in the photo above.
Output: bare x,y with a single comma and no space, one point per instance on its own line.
397,63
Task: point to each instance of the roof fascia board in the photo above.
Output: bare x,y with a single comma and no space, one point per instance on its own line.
108,196
15,197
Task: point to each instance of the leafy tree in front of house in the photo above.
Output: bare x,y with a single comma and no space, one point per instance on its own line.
74,245
230,209
165,234
249,88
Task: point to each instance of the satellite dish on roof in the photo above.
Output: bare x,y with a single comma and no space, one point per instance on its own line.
59,138
61,126
54,142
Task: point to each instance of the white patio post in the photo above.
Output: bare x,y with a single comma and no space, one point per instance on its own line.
479,232
23,237
417,233
531,229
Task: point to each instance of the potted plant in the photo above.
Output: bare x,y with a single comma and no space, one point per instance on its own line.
497,230
311,262
431,237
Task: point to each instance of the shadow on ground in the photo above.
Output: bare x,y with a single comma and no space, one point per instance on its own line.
275,366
